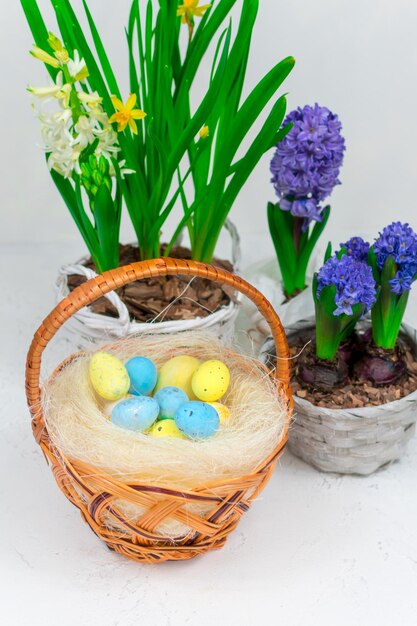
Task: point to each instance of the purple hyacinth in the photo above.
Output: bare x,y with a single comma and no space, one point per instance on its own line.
357,248
307,162
353,280
398,241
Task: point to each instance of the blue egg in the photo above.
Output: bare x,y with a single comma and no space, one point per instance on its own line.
143,375
137,413
197,420
169,400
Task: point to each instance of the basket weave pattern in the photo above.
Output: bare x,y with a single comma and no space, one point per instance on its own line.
355,440
96,493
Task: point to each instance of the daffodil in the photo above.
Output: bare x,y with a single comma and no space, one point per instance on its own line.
126,113
204,132
191,9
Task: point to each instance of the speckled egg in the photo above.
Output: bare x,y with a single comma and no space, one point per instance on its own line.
166,428
222,411
197,420
143,375
109,406
178,372
211,381
169,400
108,376
137,413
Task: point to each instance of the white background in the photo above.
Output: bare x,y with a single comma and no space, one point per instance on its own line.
315,549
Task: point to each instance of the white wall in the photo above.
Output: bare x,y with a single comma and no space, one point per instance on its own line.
358,57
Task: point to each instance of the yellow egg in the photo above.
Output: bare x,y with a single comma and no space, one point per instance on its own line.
211,381
166,428
108,376
178,372
222,411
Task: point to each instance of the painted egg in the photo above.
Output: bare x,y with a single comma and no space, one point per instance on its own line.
166,428
137,413
108,376
211,381
197,420
109,406
178,372
222,411
169,400
143,375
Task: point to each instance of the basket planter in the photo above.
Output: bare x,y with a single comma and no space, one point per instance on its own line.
94,492
87,328
351,441
266,277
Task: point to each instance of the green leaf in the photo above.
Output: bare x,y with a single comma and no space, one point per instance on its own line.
38,29
69,196
105,217
102,55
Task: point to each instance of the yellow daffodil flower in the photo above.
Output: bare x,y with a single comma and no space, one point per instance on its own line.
43,56
204,132
126,114
190,9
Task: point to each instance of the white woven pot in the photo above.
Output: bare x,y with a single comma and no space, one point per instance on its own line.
351,441
266,277
88,329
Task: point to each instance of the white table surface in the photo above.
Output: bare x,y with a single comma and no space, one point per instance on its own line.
315,549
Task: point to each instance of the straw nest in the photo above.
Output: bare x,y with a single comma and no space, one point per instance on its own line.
79,429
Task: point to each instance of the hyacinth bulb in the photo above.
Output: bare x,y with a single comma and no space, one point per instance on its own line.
321,375
379,370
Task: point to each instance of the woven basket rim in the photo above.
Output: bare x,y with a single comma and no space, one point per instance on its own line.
99,472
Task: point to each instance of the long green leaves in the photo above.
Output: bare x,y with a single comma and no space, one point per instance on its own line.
170,161
292,246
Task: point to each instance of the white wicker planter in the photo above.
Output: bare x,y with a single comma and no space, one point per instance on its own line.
266,277
351,441
87,329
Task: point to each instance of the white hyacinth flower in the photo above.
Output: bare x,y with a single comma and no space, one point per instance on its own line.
77,68
84,128
57,90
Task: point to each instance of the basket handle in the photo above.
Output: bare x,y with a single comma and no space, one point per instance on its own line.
97,287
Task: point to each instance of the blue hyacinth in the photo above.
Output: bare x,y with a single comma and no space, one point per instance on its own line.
353,280
307,162
398,241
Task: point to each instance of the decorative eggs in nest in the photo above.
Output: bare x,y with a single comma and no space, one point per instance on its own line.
185,401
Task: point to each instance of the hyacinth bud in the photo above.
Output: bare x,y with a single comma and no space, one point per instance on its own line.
94,173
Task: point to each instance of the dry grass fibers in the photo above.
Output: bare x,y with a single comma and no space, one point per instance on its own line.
78,427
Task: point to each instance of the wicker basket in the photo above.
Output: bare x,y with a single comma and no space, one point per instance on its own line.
350,441
88,329
93,492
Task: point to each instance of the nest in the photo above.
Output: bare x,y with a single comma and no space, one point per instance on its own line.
80,431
